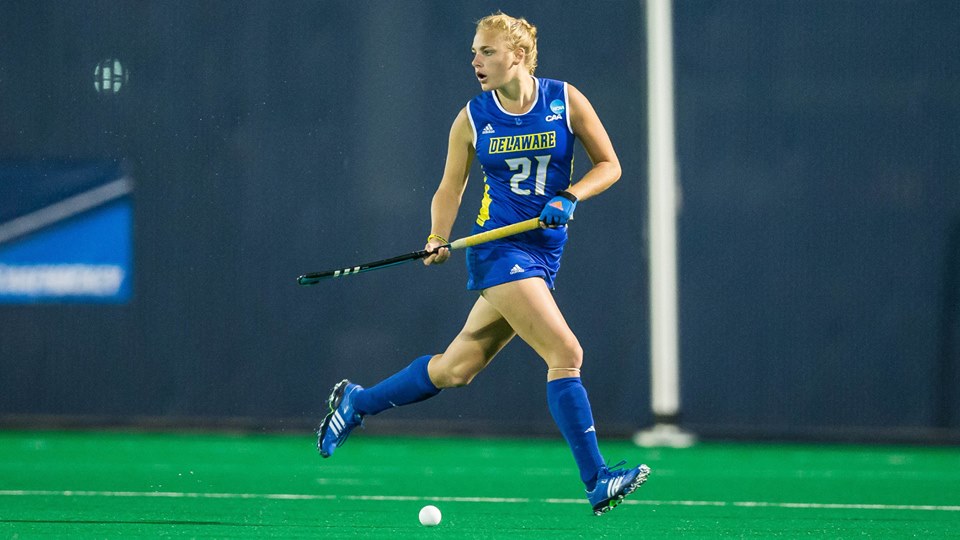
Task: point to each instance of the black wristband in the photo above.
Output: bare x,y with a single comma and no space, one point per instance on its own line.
567,195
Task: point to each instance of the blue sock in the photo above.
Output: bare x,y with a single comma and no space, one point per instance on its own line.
567,399
409,385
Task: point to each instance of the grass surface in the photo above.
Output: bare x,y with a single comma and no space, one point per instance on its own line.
110,485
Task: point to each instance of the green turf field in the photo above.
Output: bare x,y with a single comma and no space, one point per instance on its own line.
111,485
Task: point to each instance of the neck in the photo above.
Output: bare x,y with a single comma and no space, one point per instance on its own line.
519,94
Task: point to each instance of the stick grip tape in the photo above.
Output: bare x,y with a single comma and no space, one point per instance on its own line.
496,234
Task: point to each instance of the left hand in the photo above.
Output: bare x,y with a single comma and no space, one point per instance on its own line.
558,211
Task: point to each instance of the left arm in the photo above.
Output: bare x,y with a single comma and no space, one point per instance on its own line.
588,128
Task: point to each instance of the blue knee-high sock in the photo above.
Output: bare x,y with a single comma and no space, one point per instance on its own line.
409,385
567,399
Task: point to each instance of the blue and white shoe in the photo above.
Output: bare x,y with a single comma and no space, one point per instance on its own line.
340,421
615,484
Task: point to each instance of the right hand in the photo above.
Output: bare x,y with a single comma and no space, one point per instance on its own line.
439,257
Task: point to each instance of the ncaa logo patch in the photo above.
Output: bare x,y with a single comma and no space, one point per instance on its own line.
557,107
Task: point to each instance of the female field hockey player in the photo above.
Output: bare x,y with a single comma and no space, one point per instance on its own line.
521,129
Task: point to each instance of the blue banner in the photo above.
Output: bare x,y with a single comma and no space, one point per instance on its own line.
71,246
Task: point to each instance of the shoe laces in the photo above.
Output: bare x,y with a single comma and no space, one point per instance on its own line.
616,467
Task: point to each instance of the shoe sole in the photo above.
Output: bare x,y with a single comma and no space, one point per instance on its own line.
612,503
336,396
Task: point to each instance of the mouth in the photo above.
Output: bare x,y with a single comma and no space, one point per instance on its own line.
482,77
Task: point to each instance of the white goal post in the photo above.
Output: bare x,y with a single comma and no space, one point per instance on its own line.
662,215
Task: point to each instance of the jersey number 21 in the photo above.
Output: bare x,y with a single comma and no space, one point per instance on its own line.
522,165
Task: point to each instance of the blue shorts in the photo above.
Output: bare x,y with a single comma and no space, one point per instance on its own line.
507,260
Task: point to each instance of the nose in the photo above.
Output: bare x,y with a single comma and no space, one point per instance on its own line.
476,61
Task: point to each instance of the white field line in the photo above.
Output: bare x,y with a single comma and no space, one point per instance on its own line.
493,500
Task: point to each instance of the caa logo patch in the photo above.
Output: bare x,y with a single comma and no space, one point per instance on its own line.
557,107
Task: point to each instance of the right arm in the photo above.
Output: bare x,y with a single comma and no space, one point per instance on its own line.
446,201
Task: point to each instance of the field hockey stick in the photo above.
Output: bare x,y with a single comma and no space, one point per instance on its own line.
472,240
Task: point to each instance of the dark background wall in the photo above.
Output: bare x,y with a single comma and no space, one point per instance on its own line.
819,228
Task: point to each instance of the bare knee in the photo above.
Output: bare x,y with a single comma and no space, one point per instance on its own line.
457,378
567,354
451,374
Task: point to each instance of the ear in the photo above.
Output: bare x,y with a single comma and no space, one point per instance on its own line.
519,55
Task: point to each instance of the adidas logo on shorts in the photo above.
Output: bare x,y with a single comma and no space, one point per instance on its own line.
516,269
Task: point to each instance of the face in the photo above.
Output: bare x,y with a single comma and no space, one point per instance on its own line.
493,61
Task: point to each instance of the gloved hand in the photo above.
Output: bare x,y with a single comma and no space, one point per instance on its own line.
559,210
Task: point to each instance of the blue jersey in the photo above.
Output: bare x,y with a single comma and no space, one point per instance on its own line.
526,159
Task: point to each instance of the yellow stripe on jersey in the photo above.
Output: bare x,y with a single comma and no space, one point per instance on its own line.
523,143
484,214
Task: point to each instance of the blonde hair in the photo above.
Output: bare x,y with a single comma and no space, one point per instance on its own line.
519,33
